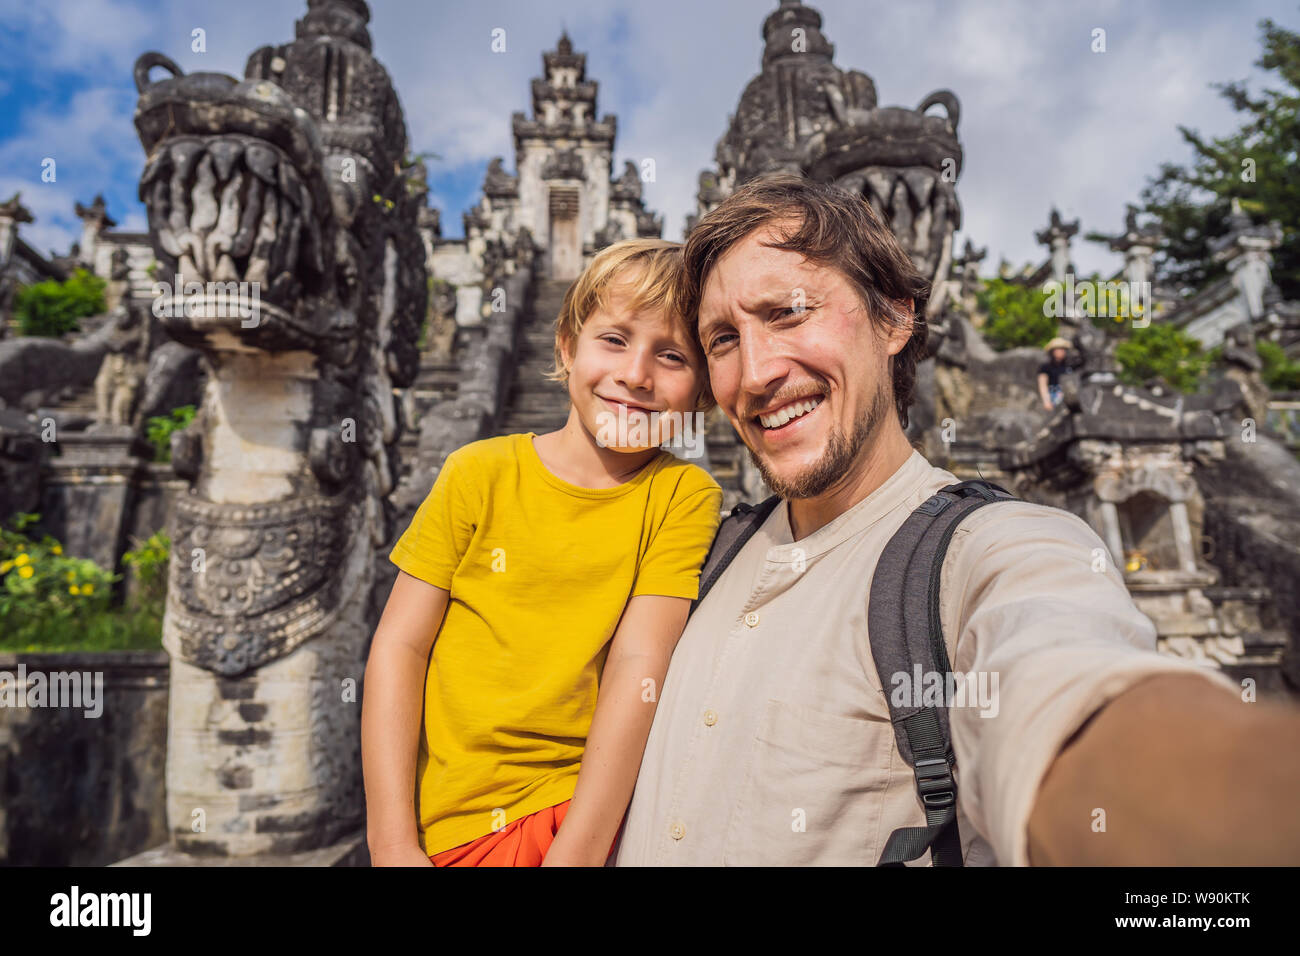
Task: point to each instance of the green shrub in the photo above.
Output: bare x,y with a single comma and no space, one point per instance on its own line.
1280,374
160,429
52,602
148,561
1164,354
52,308
1016,315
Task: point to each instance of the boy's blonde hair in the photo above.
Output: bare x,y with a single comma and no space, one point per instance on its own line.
653,273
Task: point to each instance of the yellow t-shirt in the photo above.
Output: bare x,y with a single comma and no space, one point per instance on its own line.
539,572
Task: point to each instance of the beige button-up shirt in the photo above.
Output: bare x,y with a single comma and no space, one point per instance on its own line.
772,742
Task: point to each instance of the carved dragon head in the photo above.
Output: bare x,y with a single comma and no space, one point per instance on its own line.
291,179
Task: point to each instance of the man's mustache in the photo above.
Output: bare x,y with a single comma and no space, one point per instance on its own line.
779,399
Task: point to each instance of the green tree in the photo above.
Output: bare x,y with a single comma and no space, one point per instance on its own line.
53,308
1258,165
1017,315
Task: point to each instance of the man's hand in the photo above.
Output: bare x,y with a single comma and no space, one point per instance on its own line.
1186,774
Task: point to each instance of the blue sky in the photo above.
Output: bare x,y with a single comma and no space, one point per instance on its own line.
1044,119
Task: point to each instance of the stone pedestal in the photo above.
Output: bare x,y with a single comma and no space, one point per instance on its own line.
88,490
84,783
21,455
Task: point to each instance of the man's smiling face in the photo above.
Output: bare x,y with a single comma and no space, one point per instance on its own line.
806,388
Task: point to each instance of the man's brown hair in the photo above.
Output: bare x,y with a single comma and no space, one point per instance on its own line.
828,226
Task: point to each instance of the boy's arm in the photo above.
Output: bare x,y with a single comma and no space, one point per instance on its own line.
641,649
390,718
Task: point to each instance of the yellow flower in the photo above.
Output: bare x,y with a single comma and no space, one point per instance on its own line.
25,571
73,589
87,588
22,559
4,568
71,575
57,549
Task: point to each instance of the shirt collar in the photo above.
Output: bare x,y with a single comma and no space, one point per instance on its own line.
898,488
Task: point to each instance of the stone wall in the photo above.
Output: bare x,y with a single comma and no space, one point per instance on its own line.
1252,520
79,790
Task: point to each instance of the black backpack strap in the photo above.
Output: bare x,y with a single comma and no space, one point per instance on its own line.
737,528
904,626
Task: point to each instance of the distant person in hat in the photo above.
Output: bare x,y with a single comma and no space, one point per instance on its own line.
1050,372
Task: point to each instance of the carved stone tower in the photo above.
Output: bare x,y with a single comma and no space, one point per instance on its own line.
803,114
563,158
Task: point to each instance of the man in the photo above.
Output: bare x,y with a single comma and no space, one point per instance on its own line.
772,744
1050,372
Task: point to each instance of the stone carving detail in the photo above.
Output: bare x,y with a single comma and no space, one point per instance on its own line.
564,164
803,114
265,583
1243,365
608,234
497,183
123,370
628,185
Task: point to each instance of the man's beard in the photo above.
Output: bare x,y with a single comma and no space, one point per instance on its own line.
841,453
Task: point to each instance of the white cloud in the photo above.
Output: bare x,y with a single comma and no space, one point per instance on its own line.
92,143
76,36
1045,121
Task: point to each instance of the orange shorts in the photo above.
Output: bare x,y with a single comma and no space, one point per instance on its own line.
521,843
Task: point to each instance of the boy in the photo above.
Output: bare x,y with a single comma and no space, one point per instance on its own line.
565,564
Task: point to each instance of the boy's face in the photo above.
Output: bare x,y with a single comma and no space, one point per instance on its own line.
628,365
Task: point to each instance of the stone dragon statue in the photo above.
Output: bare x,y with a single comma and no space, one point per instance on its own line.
282,217
803,114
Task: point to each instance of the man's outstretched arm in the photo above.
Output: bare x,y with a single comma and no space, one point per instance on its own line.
1186,776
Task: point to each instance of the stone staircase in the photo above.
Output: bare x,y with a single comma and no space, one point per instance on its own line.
73,408
535,404
435,382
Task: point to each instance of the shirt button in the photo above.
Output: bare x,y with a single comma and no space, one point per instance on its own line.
751,619
710,717
677,831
